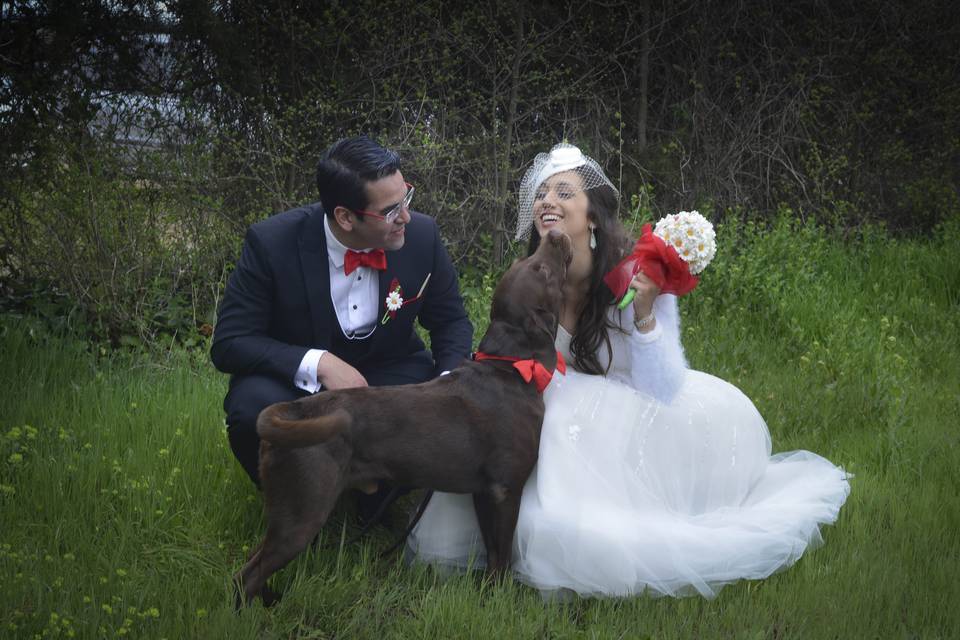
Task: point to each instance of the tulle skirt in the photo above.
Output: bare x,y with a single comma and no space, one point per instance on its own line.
631,495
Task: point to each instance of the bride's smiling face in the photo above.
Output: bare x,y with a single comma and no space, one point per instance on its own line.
561,203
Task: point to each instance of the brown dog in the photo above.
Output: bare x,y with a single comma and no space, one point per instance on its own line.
476,430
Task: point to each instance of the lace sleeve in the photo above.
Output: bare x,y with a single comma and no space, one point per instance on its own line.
657,363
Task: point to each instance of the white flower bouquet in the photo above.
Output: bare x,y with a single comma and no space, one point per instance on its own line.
692,237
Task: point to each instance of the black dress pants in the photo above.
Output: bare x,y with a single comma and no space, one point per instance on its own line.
248,396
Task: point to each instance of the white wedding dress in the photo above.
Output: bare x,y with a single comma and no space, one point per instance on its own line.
653,479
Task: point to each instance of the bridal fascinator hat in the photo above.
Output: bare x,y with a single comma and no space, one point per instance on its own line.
563,157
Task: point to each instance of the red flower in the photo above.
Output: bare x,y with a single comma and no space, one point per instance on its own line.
659,261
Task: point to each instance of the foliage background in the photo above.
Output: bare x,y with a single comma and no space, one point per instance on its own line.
138,139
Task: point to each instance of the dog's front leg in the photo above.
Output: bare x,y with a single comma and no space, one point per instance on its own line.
506,513
483,506
497,511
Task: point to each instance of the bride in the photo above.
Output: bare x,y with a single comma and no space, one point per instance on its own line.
652,477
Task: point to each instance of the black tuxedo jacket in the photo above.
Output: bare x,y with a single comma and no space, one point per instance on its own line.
277,302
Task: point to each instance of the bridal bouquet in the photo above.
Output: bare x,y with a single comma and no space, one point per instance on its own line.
672,255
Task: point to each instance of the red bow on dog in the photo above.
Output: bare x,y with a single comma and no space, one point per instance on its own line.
375,259
529,369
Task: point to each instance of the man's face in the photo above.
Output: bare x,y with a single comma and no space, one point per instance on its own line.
377,233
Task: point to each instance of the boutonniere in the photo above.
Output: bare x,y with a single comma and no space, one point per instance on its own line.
395,301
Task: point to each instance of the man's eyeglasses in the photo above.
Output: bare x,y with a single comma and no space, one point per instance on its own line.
393,212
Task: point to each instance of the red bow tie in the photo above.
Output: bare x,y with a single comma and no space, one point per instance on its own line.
529,369
375,259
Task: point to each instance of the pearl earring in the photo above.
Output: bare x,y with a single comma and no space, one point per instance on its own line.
593,238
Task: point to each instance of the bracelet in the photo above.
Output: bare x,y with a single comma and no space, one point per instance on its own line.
642,322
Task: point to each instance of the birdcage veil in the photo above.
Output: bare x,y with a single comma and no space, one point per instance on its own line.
563,157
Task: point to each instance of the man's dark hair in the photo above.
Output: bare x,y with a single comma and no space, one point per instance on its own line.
345,169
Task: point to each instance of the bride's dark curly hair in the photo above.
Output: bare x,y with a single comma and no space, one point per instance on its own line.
612,245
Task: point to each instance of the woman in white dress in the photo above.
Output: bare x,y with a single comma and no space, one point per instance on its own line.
652,477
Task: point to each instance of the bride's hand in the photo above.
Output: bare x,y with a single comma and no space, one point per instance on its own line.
647,292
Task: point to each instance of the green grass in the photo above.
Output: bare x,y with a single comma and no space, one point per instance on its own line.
122,511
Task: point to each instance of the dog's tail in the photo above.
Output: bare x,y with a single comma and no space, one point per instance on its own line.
276,426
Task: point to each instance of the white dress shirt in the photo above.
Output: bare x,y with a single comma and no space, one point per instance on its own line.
355,300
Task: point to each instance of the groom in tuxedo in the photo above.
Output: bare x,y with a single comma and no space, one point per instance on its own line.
325,296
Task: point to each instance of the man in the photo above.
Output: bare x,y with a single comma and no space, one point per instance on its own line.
315,303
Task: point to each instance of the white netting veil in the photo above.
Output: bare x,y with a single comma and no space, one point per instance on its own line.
563,157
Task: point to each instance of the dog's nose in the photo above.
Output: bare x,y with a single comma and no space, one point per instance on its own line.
557,238
561,241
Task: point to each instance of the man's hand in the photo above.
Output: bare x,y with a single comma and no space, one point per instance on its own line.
647,292
334,373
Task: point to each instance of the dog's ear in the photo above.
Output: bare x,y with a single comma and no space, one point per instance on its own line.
502,337
541,323
541,334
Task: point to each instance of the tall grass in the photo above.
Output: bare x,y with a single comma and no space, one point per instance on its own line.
122,512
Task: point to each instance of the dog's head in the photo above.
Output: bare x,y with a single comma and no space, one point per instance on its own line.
526,302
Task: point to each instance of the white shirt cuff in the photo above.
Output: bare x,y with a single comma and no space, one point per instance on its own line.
306,377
